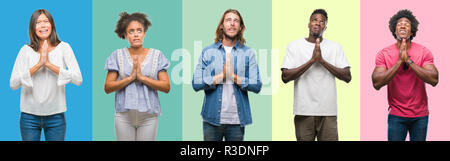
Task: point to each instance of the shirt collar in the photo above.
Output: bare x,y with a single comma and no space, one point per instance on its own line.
219,45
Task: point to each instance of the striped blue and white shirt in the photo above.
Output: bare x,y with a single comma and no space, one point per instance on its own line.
137,95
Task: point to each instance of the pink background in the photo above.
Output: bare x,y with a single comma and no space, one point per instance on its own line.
375,34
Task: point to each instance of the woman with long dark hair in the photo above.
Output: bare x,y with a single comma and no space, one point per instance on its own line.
42,68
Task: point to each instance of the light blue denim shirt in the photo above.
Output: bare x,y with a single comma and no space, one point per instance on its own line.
211,63
137,95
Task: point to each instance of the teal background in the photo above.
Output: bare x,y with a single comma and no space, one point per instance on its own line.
165,35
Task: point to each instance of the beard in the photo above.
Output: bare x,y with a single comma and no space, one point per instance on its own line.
229,37
316,35
400,39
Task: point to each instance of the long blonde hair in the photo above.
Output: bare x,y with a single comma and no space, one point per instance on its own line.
219,30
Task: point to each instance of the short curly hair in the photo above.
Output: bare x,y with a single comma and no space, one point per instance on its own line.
320,11
126,19
406,14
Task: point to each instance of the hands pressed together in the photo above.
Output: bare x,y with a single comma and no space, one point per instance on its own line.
44,61
227,72
136,73
403,54
317,54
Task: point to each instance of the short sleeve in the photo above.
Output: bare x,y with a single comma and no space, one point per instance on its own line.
112,63
380,60
341,59
428,57
288,63
163,63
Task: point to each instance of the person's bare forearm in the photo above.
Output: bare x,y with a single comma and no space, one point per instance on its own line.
52,67
430,76
114,85
340,73
292,74
160,85
380,79
35,68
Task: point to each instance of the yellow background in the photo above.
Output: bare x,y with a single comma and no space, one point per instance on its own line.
290,22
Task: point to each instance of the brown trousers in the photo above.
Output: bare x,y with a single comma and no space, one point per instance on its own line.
307,128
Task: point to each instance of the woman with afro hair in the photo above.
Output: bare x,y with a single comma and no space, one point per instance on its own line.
136,74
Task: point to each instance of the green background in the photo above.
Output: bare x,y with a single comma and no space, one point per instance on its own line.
200,20
165,35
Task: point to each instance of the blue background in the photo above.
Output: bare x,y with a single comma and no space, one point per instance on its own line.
73,21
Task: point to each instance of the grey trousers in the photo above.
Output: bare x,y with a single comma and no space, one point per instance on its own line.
135,126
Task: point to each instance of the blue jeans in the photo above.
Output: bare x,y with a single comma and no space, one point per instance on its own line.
31,125
217,133
398,127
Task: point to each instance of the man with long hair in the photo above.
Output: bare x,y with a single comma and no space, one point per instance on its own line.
226,71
